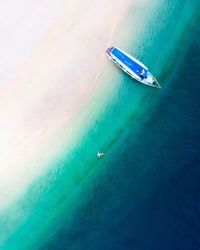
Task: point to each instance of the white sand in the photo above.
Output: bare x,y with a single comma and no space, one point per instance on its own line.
52,54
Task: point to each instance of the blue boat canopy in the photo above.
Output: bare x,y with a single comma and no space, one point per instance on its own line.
132,65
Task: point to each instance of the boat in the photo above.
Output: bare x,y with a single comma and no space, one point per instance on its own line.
133,67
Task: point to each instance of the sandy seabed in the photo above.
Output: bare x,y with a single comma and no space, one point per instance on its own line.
52,55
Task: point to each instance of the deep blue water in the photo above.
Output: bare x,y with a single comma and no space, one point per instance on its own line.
149,196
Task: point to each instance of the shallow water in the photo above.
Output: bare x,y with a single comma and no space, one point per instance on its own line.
144,193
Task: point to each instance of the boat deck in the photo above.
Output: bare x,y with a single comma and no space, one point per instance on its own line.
132,65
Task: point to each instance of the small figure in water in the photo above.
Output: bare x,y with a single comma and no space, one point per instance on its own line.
100,155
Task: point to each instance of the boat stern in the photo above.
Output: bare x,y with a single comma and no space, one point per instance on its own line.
108,51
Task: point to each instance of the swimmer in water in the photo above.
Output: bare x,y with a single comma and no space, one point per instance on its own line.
100,155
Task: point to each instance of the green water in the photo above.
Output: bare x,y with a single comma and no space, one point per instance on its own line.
54,202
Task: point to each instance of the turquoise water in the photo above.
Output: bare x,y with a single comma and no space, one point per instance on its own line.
144,193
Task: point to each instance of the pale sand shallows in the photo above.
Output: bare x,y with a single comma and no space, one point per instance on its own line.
57,77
